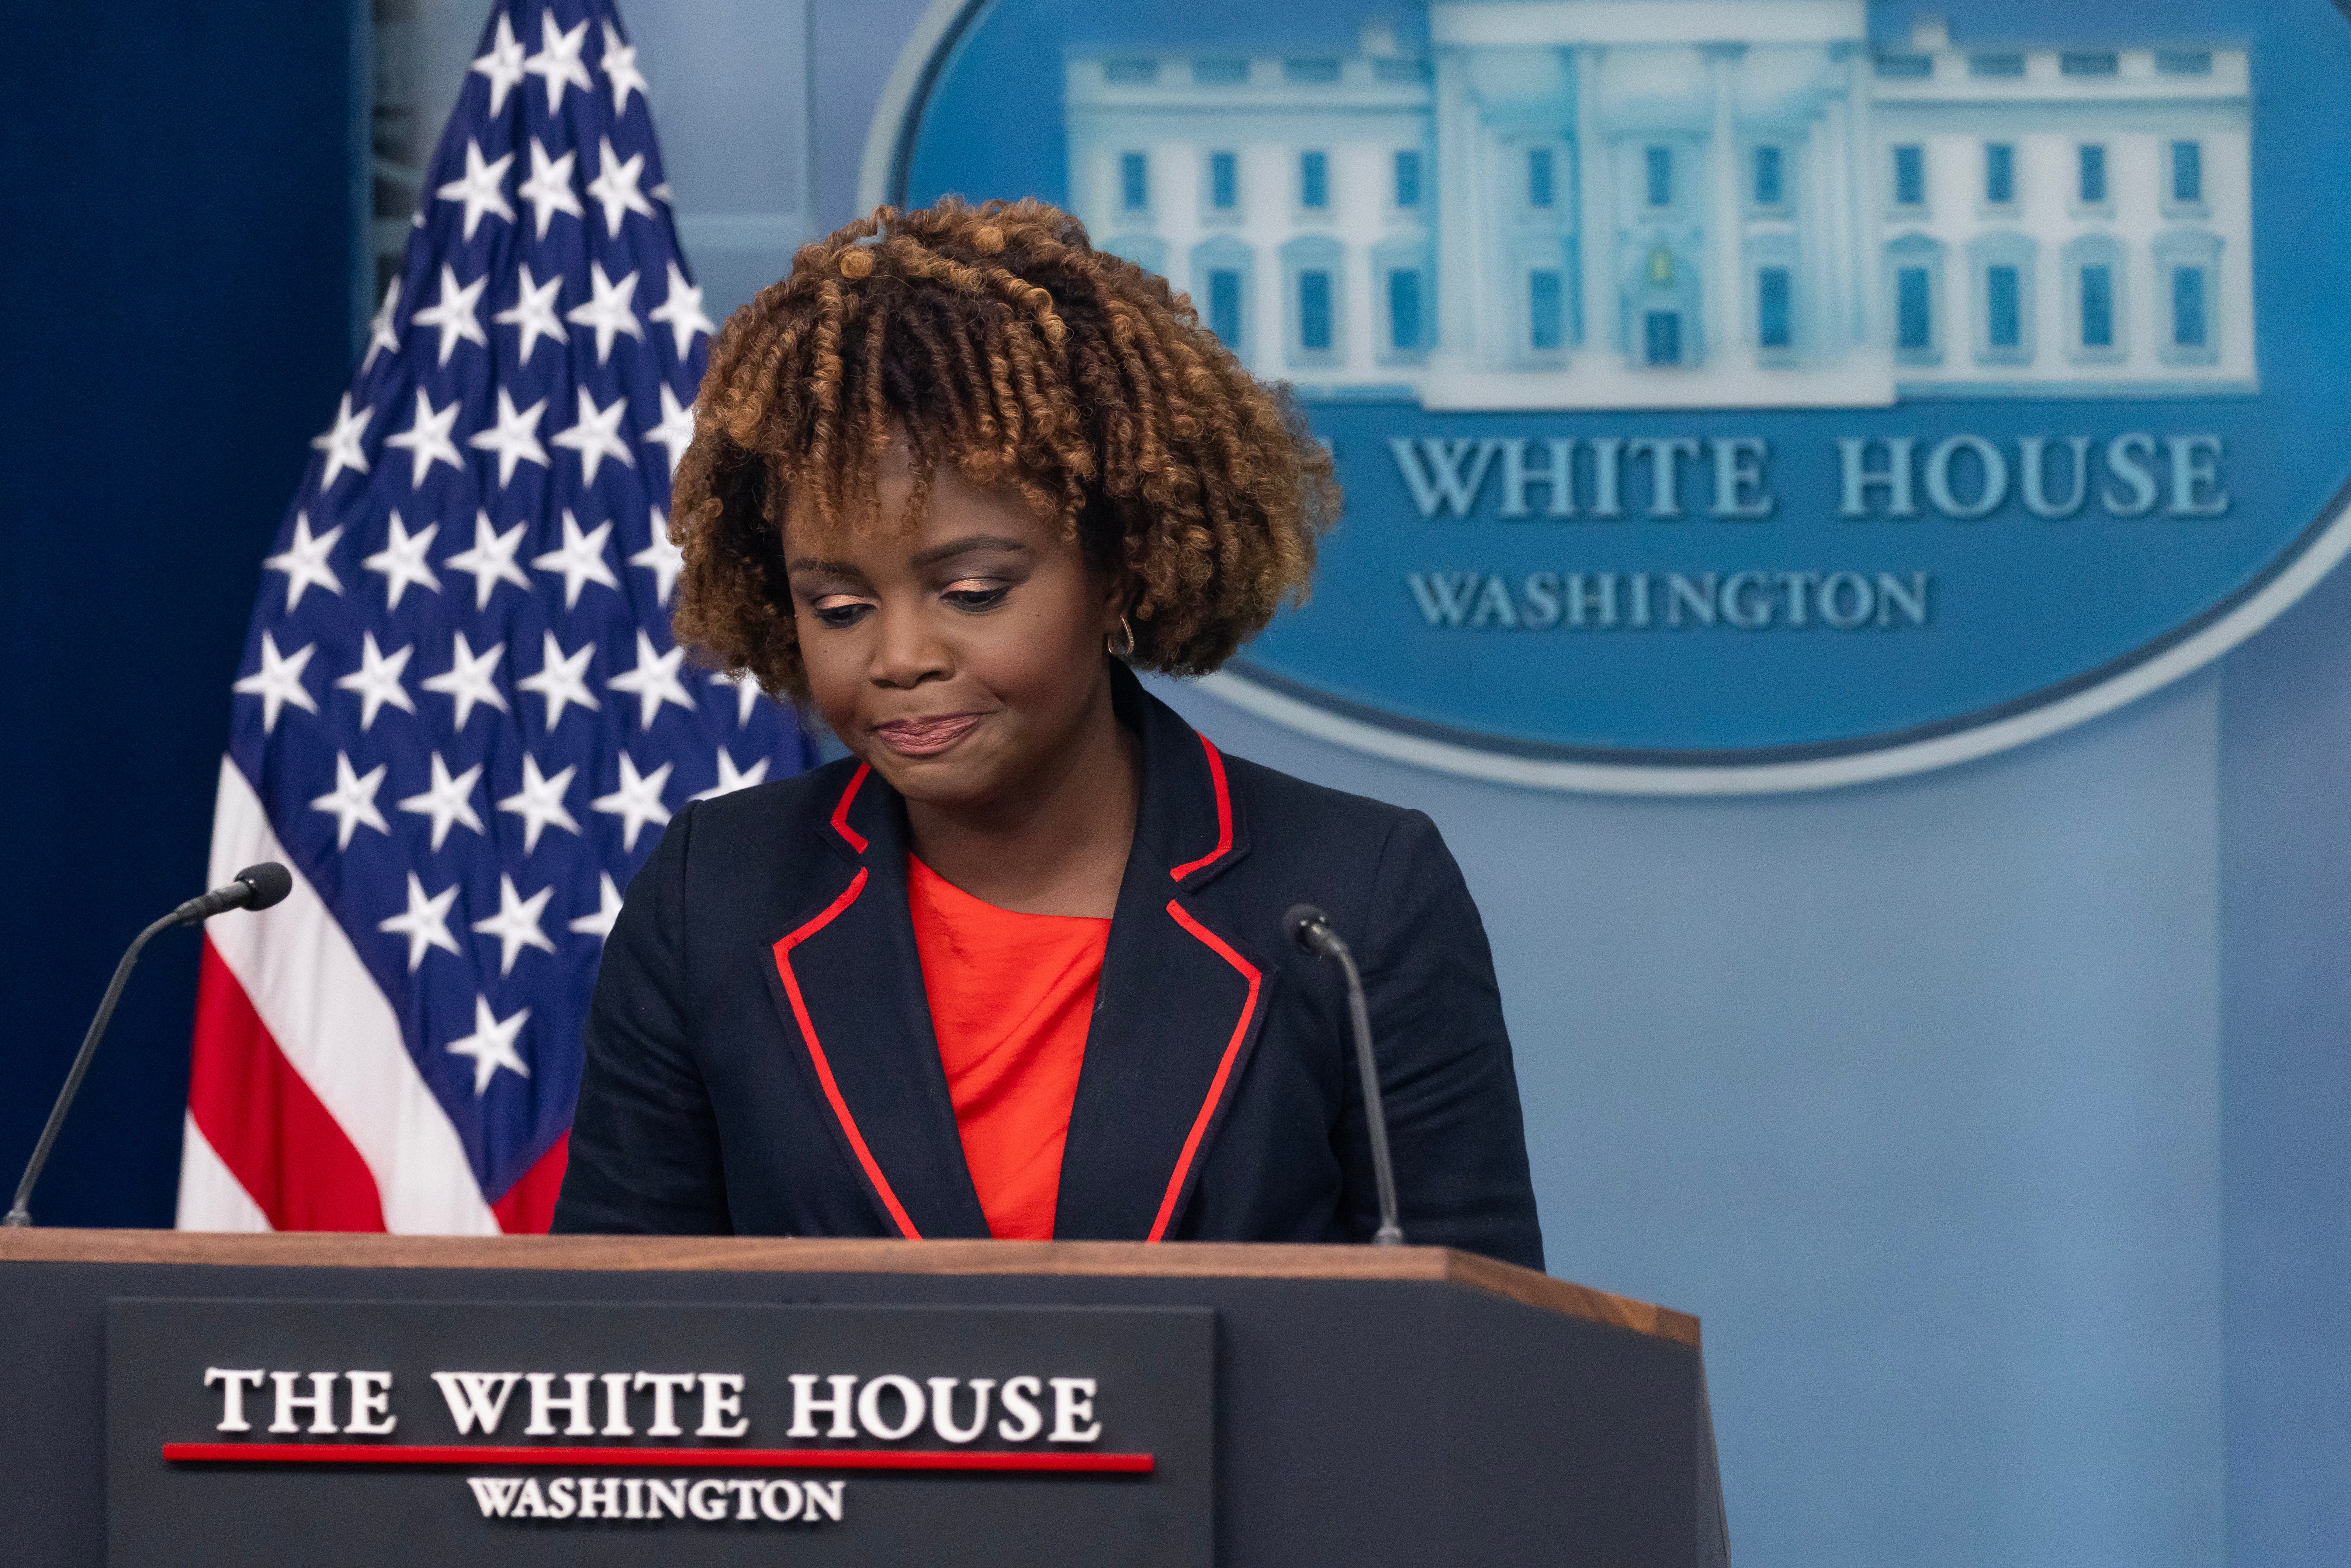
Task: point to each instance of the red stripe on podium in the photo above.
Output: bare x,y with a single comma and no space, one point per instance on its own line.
673,1458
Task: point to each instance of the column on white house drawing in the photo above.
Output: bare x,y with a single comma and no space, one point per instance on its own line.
1863,200
1595,205
1728,334
1462,221
1819,237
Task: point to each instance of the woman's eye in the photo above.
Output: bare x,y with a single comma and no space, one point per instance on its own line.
837,613
978,598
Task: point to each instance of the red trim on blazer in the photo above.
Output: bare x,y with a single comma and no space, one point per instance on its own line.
1217,945
1224,820
840,811
816,1052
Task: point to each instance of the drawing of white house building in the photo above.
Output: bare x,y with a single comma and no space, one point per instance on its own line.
1595,203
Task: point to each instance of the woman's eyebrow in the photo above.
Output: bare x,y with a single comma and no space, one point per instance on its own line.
965,545
833,568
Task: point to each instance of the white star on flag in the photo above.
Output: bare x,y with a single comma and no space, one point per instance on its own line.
492,1044
468,681
746,693
304,561
503,66
516,438
598,922
675,432
548,189
561,680
653,682
427,440
615,185
731,778
352,800
380,336
620,64
425,922
534,313
637,801
540,803
682,311
483,190
581,560
516,924
341,444
377,681
609,312
661,557
558,59
597,436
449,802
278,682
454,313
402,561
491,560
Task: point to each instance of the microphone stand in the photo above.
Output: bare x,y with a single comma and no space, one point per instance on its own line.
1390,1234
255,887
1311,929
20,1215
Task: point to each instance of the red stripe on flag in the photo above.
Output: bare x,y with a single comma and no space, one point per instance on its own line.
283,1147
528,1207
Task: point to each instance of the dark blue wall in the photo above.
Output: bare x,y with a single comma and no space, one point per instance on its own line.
177,269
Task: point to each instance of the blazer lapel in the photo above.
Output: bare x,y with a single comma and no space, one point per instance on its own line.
848,981
1181,1001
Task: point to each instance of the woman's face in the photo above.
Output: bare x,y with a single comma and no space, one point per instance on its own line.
960,658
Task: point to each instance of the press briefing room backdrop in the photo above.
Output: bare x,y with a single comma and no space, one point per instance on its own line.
1841,518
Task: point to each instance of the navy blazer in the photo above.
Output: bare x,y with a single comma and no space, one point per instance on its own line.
760,1057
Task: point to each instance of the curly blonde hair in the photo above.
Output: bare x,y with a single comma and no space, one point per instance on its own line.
1001,342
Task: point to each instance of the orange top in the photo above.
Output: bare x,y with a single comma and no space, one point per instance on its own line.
1011,997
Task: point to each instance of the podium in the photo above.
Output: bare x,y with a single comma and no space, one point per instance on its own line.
308,1398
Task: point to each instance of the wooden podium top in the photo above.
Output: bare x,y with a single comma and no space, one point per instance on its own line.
800,1255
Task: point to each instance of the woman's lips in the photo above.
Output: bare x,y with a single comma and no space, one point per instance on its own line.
926,736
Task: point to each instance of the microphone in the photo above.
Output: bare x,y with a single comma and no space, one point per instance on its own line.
1311,929
254,887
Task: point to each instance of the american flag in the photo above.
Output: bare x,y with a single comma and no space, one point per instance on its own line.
462,720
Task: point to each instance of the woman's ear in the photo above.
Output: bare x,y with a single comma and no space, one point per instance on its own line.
1117,590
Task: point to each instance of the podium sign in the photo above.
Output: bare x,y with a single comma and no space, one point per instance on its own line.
365,1400
260,1432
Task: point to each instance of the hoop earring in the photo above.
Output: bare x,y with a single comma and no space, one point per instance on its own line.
1125,635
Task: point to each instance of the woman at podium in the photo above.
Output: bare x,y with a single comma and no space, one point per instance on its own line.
1015,966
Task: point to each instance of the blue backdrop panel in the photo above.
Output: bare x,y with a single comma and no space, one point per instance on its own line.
180,208
2285,847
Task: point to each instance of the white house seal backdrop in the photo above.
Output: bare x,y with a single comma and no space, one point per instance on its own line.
1731,395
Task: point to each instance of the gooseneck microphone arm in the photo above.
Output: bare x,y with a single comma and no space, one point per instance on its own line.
255,887
1311,929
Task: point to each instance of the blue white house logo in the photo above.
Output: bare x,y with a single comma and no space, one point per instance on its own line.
1730,396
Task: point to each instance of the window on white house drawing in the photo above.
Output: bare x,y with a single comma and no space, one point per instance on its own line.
1546,310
